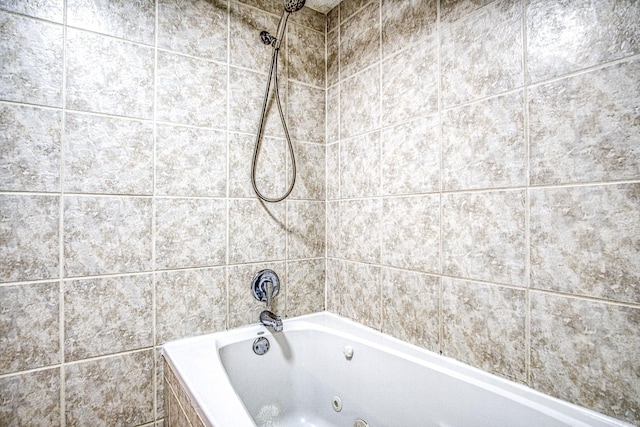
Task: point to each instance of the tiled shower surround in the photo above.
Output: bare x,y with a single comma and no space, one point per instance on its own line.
477,169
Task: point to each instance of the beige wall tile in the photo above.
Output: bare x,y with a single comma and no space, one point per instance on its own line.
190,162
360,40
586,352
31,399
410,83
29,232
306,54
29,326
359,174
481,55
484,237
359,103
194,27
589,143
133,21
410,158
306,107
190,302
52,10
246,48
305,290
483,144
106,316
565,37
305,229
410,303
360,231
484,325
179,91
106,235
190,232
410,233
31,57
584,241
117,390
100,71
30,148
107,155
257,232
405,22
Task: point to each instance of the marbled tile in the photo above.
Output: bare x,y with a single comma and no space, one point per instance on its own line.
245,104
349,7
311,19
333,57
310,165
586,241
31,399
117,390
410,304
359,230
257,231
190,232
191,91
483,236
106,235
333,18
274,7
306,107
105,316
305,229
483,144
355,292
360,40
272,176
411,233
333,171
567,36
31,58
246,48
159,381
333,229
360,103
333,114
194,27
190,162
244,309
359,171
51,10
482,54
410,83
598,141
190,302
107,75
29,326
484,326
107,155
405,22
410,160
305,290
30,144
306,52
130,20
452,10
29,232
587,352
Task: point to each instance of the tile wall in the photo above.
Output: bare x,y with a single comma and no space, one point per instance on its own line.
127,217
483,182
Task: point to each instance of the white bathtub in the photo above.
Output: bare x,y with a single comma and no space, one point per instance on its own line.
386,382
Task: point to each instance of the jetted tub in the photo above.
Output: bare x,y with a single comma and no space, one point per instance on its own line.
324,370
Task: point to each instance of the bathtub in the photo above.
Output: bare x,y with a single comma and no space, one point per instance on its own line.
325,370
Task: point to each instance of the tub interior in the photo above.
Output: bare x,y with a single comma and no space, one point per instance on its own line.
295,383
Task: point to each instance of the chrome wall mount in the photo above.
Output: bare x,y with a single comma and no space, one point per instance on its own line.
266,285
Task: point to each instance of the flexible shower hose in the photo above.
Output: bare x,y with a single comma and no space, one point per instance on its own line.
273,75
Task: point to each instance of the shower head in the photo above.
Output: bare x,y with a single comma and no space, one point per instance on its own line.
293,5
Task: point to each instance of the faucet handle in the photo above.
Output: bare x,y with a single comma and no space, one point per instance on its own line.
265,285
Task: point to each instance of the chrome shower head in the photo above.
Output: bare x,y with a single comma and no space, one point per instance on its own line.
293,5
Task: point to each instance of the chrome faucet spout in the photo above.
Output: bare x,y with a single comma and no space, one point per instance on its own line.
271,320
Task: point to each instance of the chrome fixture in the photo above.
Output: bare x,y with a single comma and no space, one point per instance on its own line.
290,6
266,285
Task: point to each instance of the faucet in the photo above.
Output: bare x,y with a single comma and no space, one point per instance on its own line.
265,286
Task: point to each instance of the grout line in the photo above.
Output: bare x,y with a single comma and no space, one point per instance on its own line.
61,257
440,183
154,276
227,202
